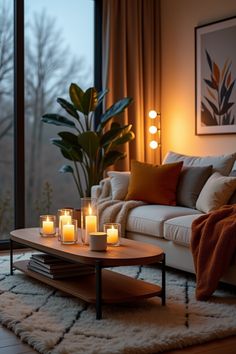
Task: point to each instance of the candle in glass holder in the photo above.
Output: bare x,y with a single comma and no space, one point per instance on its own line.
64,217
89,218
113,231
69,232
112,235
47,225
90,222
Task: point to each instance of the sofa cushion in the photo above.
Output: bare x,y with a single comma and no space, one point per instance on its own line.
154,184
191,182
119,184
216,192
221,163
149,219
179,229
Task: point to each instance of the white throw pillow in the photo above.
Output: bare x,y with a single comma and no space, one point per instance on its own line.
119,184
216,192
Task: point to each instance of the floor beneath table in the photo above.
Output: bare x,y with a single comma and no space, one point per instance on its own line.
11,344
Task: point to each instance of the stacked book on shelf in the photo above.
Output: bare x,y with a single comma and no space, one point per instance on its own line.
56,268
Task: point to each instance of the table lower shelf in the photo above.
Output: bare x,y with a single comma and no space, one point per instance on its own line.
116,288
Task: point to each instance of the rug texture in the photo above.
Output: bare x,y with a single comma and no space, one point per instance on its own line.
54,323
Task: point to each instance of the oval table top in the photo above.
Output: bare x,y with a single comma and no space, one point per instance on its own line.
129,252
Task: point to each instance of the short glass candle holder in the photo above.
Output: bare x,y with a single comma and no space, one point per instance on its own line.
64,217
48,225
69,232
89,218
113,231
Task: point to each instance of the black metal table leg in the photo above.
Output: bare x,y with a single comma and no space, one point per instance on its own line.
98,290
11,257
163,273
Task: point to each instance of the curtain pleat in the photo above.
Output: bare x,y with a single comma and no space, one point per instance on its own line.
131,67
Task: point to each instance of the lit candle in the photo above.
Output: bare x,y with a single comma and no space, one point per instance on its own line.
64,219
68,232
90,222
48,227
112,235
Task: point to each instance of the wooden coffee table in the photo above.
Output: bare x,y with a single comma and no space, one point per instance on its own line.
104,286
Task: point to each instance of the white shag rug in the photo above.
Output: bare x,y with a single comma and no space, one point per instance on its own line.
54,323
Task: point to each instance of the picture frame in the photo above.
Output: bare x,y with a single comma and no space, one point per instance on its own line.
215,78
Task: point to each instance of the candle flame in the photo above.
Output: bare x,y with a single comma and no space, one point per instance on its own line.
90,210
47,219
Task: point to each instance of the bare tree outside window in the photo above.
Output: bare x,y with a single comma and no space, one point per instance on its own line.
50,67
6,118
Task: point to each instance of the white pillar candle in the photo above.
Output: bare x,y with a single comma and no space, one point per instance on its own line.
48,227
112,235
90,224
64,219
68,232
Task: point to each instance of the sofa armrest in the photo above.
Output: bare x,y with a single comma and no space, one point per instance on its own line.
96,190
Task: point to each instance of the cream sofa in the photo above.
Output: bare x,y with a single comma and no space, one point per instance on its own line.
170,226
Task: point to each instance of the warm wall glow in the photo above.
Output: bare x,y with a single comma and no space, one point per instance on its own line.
153,144
152,129
152,114
178,79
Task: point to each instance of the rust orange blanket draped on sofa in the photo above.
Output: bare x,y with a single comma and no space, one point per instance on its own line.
213,245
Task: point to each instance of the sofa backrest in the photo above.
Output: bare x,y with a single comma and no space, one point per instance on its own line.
222,163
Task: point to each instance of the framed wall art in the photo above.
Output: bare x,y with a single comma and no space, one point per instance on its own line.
215,75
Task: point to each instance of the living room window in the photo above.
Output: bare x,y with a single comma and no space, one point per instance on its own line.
58,50
6,119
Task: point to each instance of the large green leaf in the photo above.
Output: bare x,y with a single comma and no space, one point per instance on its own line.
126,138
114,133
101,95
68,107
89,100
112,157
66,169
114,110
89,142
76,96
69,152
69,138
57,119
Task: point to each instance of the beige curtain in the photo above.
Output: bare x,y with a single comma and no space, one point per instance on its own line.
131,67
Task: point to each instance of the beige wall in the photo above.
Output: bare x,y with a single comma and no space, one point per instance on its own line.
179,17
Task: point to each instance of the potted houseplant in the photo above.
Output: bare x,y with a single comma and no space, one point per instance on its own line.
89,148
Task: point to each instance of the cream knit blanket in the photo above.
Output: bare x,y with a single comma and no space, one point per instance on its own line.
110,210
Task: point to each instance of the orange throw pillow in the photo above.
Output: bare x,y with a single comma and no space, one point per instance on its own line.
154,184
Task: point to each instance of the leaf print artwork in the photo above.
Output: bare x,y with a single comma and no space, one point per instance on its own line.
216,108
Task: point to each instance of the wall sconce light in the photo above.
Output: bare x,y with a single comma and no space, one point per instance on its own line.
152,114
154,129
153,144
